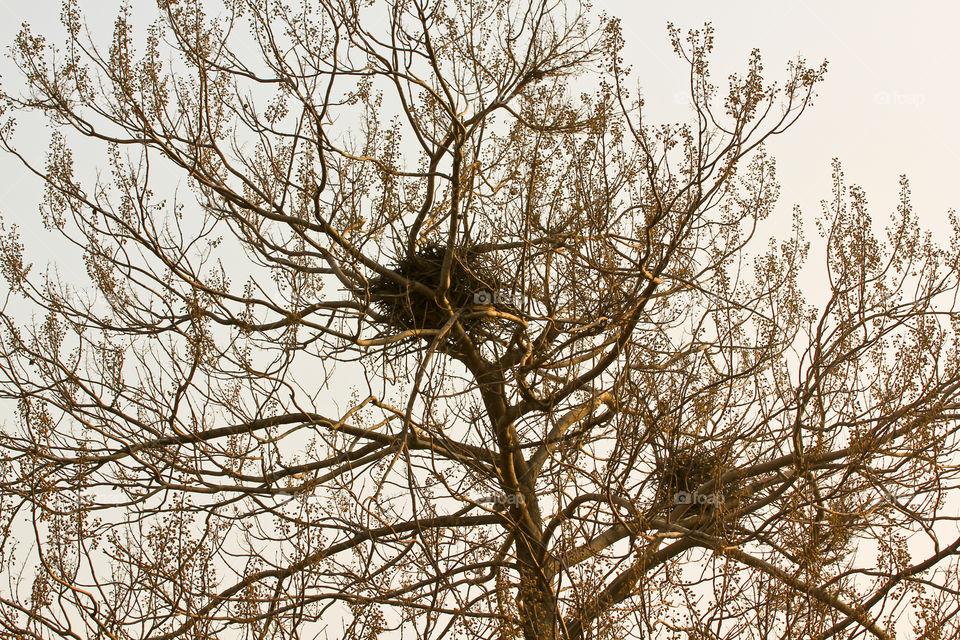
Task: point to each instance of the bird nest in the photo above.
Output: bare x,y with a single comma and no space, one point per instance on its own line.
473,282
686,468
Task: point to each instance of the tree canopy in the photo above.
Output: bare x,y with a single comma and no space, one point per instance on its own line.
403,319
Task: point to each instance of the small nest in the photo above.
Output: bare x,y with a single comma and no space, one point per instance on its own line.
685,470
472,280
688,469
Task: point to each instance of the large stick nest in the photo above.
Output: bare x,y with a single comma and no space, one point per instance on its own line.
474,281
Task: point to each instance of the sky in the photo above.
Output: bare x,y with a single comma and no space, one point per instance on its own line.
888,105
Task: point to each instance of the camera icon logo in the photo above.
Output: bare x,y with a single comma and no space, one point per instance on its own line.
484,298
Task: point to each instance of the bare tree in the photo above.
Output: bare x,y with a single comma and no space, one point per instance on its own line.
401,319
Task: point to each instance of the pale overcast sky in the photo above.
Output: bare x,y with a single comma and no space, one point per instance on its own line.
887,107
